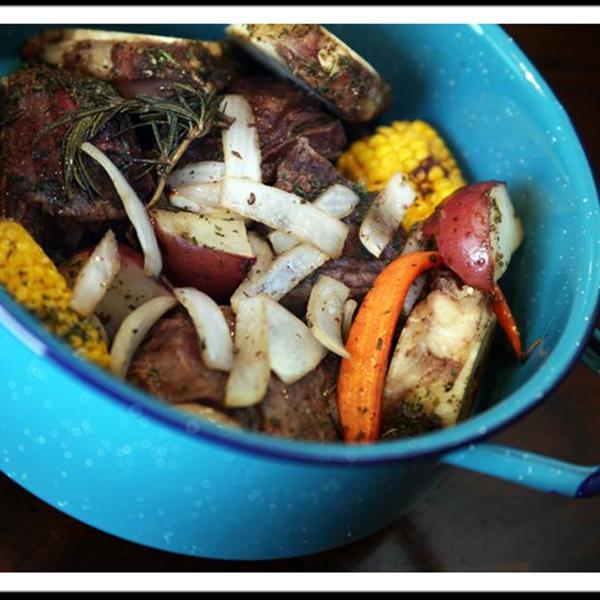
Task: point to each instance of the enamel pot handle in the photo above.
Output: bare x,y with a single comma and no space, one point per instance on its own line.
533,470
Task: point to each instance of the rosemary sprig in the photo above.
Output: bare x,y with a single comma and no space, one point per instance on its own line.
175,121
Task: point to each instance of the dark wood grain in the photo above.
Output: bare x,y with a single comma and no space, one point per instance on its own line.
469,522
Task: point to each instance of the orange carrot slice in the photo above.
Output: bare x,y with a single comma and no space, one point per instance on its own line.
362,376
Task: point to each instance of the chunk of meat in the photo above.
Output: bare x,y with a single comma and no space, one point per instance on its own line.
283,114
32,181
304,171
136,63
169,365
305,410
437,363
356,273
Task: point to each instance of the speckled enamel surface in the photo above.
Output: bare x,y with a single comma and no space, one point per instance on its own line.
121,462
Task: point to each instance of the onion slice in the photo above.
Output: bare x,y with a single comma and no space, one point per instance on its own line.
135,209
133,330
282,242
293,350
286,272
385,214
337,200
286,212
415,242
241,148
211,327
264,259
196,196
207,171
349,310
249,377
325,313
96,275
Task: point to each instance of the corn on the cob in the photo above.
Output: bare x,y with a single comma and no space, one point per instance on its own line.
33,280
413,148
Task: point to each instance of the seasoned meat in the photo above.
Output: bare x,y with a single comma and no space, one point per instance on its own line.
319,62
305,410
438,360
304,171
168,365
356,268
32,183
358,274
283,114
135,63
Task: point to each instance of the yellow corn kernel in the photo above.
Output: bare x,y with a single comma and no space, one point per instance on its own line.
415,149
33,280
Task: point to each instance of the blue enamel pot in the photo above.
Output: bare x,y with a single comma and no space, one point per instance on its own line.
112,457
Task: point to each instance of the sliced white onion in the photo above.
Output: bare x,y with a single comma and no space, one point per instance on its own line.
506,232
130,288
349,310
264,259
337,200
286,272
293,350
285,212
199,209
241,148
211,327
325,313
263,253
415,242
196,196
282,242
135,209
208,171
385,214
96,275
249,377
133,330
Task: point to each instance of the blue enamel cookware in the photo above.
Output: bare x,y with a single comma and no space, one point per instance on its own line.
116,459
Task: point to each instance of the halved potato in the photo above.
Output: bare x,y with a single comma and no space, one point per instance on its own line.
211,254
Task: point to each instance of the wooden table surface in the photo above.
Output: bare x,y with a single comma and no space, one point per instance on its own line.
469,522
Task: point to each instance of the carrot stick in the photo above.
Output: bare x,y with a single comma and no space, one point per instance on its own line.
362,376
507,321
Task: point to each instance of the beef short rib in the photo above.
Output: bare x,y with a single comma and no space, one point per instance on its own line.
169,365
32,183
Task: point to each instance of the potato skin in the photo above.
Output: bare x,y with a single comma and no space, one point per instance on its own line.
463,234
214,272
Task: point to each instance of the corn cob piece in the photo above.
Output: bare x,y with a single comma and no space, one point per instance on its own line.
34,281
415,149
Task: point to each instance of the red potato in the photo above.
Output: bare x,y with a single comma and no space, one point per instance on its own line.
130,288
477,232
211,254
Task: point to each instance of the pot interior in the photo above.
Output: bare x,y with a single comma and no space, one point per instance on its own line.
501,122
